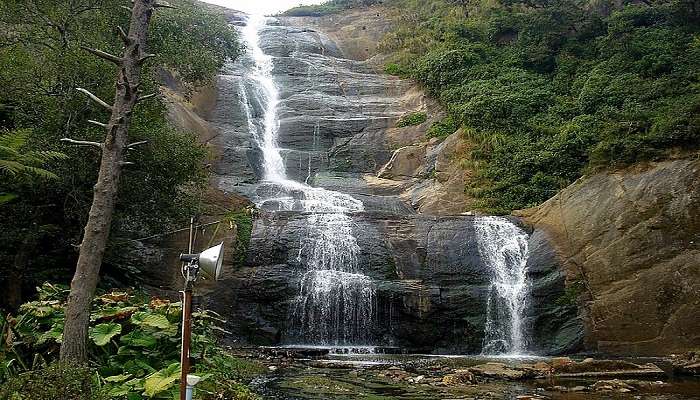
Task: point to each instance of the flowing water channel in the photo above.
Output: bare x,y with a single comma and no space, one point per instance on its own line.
336,302
503,247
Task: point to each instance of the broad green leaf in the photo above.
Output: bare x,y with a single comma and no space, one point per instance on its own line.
117,378
103,333
154,320
139,338
113,313
54,334
161,380
118,391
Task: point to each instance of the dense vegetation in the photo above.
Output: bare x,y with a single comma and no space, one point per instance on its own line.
45,185
134,351
548,89
329,7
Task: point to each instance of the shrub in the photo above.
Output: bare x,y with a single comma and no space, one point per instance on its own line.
134,342
56,382
397,70
444,127
412,119
329,7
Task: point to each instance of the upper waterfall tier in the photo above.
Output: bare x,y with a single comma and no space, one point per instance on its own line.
329,113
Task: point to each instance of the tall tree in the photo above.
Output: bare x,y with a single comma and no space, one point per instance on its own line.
114,146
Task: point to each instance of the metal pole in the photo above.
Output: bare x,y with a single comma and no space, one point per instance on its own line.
186,334
186,324
190,389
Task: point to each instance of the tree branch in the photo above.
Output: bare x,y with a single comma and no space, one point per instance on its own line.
135,144
82,142
163,5
95,98
146,57
104,55
126,8
123,35
146,97
100,124
125,163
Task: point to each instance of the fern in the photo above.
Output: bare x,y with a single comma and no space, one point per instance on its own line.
14,161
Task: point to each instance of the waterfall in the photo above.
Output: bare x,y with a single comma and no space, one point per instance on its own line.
504,249
336,302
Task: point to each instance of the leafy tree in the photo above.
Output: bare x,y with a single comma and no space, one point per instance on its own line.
547,90
41,64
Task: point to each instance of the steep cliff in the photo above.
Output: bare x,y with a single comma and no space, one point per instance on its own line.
613,259
338,129
630,244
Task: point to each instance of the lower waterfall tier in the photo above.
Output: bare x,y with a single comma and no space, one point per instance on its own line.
423,276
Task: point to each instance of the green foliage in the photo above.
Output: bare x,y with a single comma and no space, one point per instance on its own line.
56,382
397,70
193,41
18,163
103,333
329,7
443,128
244,229
134,346
412,119
41,64
547,90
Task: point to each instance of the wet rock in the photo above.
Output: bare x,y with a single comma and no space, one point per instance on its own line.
537,369
686,364
459,377
495,370
599,368
614,385
338,130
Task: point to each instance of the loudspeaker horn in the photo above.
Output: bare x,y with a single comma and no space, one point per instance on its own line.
210,261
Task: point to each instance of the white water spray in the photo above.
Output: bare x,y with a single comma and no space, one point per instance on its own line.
504,249
336,304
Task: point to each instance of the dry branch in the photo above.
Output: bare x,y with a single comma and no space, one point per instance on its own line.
146,97
104,55
100,124
146,57
163,5
95,98
135,144
123,35
82,142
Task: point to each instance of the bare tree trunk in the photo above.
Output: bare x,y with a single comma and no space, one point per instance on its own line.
84,283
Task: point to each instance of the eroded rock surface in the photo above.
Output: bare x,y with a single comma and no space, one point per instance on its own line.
630,241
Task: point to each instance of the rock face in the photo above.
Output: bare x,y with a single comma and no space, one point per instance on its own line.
630,242
432,284
337,130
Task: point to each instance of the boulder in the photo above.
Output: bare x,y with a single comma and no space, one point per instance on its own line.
494,370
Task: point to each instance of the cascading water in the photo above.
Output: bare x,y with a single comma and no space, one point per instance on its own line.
504,249
336,303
